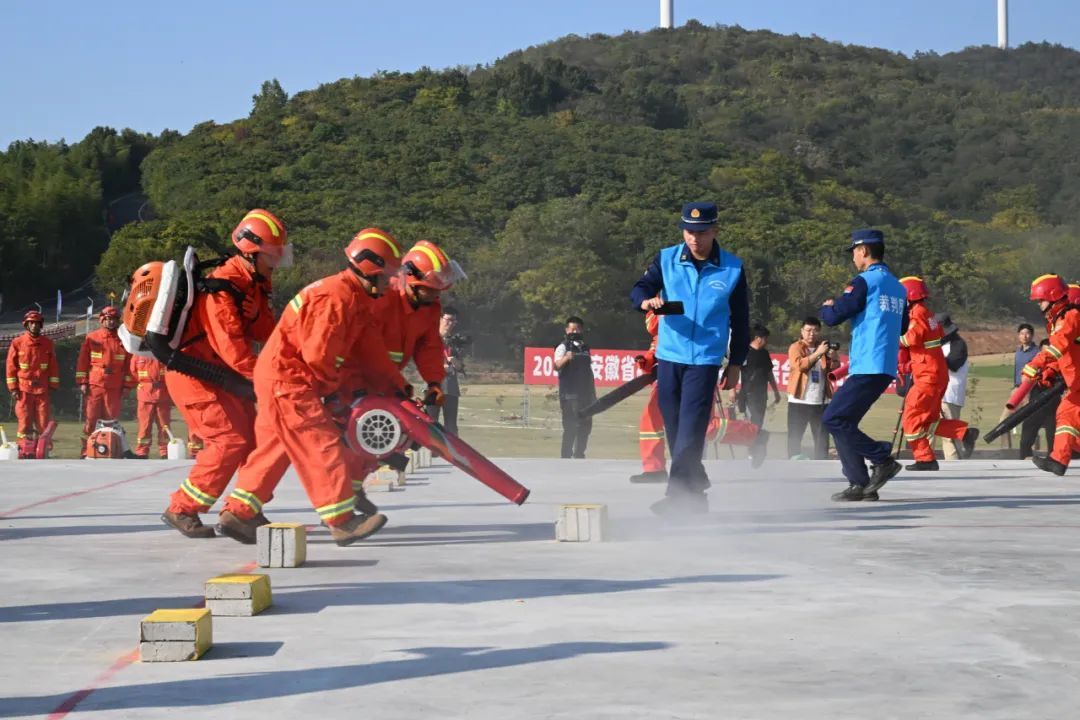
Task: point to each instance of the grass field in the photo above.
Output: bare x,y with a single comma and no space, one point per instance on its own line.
492,418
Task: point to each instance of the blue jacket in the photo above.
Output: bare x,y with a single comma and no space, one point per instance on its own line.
715,300
876,304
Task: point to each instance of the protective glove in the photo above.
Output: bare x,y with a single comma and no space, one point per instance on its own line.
16,394
646,362
434,395
903,384
249,307
406,392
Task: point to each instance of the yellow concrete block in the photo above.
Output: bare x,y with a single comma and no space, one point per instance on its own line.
281,545
175,635
238,595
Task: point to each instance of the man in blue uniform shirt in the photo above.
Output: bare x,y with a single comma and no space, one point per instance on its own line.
691,347
876,304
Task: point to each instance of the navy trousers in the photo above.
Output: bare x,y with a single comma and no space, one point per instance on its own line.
685,393
842,418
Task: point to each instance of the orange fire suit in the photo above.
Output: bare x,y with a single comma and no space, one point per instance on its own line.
103,367
410,333
220,330
651,423
329,332
930,377
1063,352
32,371
153,404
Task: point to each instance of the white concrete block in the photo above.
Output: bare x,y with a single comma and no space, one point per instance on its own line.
175,635
581,523
423,458
412,467
238,595
281,545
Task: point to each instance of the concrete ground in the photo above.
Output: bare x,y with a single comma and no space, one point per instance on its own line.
956,596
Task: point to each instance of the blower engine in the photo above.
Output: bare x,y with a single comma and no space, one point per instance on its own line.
108,441
380,426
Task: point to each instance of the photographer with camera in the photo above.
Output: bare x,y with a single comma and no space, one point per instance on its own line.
577,387
454,346
811,359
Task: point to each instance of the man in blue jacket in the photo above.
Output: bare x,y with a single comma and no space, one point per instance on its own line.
876,304
691,347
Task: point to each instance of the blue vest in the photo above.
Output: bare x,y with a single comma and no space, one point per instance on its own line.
700,336
875,332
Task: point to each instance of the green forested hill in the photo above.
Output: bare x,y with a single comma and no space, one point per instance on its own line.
556,172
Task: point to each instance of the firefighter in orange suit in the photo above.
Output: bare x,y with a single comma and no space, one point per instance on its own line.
102,373
1062,354
221,330
153,404
410,312
921,419
328,333
31,373
651,424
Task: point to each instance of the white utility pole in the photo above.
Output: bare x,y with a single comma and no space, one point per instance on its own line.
667,14
1003,24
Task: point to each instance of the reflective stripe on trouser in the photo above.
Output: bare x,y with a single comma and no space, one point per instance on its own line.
922,421
101,404
33,413
225,424
148,413
294,427
1067,434
651,435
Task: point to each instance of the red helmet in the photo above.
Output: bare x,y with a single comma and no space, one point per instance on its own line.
109,312
1074,294
33,316
916,288
262,232
425,264
1050,288
373,252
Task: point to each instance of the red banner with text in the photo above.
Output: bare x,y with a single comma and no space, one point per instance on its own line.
615,367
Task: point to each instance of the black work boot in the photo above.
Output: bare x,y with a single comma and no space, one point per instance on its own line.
364,505
653,476
854,493
684,503
188,525
1049,464
923,465
237,528
968,443
759,449
883,473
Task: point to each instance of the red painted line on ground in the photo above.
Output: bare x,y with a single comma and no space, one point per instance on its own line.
64,709
66,496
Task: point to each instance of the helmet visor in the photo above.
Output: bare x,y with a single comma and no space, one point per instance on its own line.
442,279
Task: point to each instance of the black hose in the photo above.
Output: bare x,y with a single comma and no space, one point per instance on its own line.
225,378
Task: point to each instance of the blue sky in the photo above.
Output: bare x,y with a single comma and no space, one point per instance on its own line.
71,65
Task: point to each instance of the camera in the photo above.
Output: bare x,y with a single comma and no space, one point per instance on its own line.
575,343
457,343
833,345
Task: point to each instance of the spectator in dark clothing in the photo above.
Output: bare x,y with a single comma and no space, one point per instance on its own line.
454,363
1045,419
758,377
1027,349
577,387
1025,335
